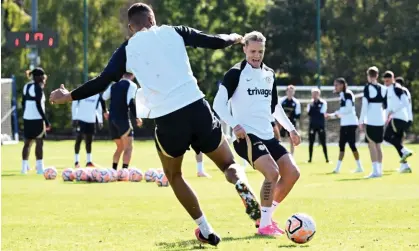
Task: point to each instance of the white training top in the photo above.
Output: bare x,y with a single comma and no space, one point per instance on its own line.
253,96
347,111
31,111
397,102
372,111
409,110
86,110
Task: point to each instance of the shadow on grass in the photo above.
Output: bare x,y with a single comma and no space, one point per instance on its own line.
293,246
8,174
194,244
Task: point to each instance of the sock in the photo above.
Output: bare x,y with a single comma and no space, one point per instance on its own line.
358,164
89,157
200,167
115,166
124,165
204,226
39,164
24,165
375,167
266,218
274,205
405,150
338,165
76,158
380,167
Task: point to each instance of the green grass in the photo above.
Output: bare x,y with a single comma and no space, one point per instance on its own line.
351,213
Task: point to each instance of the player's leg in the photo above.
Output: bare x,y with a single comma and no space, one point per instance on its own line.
39,154
88,139
118,152
371,139
342,142
173,135
311,139
259,156
79,139
322,137
200,165
291,146
25,155
351,141
127,139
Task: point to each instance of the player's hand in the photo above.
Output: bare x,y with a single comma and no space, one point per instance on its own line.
106,115
100,126
48,128
238,39
139,122
239,132
295,138
361,127
60,96
326,115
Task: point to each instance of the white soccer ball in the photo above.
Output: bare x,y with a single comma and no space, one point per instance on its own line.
103,175
50,173
161,180
67,174
300,228
135,175
150,175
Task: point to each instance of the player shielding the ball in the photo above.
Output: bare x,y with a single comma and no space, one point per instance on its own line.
252,82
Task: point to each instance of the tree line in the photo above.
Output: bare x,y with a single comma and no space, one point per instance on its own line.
355,34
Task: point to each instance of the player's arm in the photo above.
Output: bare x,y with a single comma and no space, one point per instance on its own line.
285,122
24,99
102,104
297,110
400,101
323,110
309,112
225,92
38,99
195,38
112,73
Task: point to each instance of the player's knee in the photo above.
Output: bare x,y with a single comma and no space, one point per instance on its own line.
353,147
231,173
294,174
342,148
272,174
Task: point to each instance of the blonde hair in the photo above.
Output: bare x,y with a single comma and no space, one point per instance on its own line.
255,36
291,87
315,89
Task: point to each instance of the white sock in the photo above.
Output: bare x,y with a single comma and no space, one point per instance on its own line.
76,157
89,157
358,164
375,167
338,165
24,165
274,205
200,167
405,150
204,226
380,167
39,164
266,217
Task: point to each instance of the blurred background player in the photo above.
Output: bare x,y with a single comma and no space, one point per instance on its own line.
400,80
252,82
398,107
316,111
292,108
200,165
372,116
348,123
122,97
35,122
86,114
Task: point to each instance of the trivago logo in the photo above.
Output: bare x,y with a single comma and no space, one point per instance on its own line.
256,91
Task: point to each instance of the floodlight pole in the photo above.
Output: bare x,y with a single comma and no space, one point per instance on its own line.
318,29
34,25
85,40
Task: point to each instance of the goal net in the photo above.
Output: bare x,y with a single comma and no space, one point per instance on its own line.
8,112
303,94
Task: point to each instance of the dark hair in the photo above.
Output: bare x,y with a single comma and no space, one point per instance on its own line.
372,73
343,82
138,9
388,74
400,80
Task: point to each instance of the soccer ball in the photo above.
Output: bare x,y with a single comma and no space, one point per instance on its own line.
150,175
123,174
94,174
300,228
114,174
161,180
135,175
103,175
89,174
50,173
67,174
81,175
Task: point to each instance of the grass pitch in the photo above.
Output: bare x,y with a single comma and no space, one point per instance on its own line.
351,213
